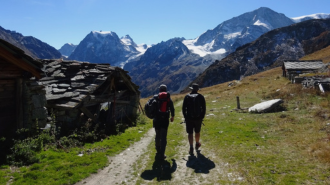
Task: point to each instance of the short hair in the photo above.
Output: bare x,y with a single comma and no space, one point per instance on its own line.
162,88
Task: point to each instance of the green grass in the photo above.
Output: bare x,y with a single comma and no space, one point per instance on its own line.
66,167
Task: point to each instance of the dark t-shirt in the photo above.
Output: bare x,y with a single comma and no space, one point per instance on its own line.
185,105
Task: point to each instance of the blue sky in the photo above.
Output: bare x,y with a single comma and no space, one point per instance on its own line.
57,22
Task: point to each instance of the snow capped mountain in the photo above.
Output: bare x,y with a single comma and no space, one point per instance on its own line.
268,51
168,62
67,49
312,16
235,32
107,47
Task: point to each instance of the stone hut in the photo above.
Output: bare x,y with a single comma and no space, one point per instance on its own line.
77,91
22,99
293,68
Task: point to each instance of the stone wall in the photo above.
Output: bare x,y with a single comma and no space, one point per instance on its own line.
34,105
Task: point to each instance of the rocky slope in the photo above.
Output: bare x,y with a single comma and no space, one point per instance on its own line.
67,49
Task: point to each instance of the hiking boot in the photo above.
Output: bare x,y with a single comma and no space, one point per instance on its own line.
191,151
198,145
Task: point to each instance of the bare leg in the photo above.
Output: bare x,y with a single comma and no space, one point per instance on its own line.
197,136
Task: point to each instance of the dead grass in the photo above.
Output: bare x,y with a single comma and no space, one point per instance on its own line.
323,54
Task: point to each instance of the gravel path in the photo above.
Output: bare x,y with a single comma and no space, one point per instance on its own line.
120,167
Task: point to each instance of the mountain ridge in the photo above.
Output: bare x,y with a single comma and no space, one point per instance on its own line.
268,51
30,45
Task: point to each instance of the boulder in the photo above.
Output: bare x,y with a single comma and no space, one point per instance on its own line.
267,106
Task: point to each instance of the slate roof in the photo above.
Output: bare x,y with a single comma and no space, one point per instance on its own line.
304,65
68,83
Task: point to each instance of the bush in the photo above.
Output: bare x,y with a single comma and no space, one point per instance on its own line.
24,151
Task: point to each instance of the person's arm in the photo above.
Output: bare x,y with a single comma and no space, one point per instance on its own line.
203,106
184,108
172,108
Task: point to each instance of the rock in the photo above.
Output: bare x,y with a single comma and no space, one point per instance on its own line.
39,101
56,90
267,106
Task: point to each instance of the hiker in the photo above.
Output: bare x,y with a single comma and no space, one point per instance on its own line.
161,120
193,110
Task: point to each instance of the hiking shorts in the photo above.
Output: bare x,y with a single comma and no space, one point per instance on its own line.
193,125
161,123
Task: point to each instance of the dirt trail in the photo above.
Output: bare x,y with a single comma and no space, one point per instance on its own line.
202,168
120,167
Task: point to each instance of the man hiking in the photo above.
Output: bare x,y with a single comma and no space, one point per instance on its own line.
193,110
161,120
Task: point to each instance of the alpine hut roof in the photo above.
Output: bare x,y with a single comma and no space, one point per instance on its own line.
69,84
304,65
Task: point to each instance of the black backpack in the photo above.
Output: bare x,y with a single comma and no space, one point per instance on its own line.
194,106
151,107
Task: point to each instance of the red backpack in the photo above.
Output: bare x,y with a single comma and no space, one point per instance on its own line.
163,99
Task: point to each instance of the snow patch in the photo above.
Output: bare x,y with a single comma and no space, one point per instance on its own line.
232,35
312,16
102,33
202,50
259,23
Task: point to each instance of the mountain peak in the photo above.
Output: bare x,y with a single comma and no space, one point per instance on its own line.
103,34
126,37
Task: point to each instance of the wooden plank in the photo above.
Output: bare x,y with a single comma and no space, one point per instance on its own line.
21,63
19,103
7,94
127,82
7,88
10,75
7,82
6,103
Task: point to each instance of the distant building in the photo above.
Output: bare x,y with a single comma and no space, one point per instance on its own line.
293,68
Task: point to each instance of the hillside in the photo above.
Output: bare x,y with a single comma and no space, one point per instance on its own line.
323,54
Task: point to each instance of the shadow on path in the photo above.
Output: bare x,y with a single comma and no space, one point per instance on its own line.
200,164
162,170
